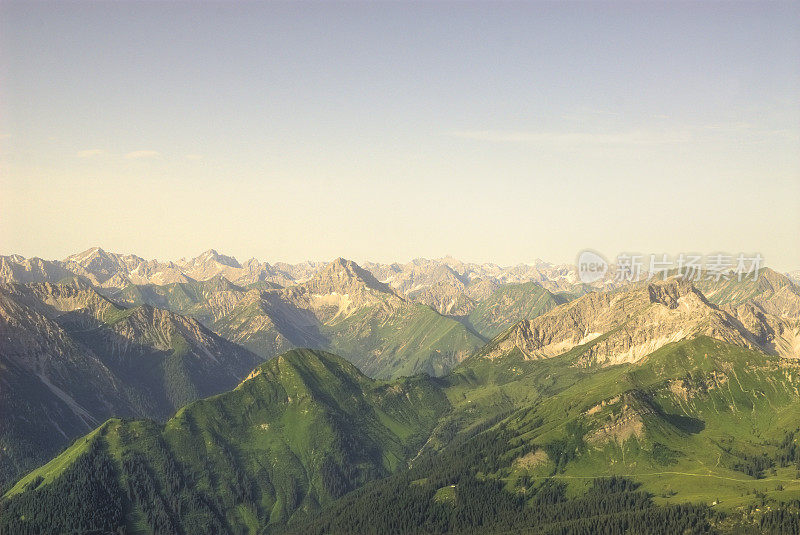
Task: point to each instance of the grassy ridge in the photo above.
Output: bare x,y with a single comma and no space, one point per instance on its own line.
698,421
305,430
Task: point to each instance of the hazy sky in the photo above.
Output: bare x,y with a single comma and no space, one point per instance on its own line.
490,131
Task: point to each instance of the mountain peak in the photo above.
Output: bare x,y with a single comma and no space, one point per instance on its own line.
315,359
347,268
344,276
775,279
252,263
213,256
652,315
343,264
99,265
88,254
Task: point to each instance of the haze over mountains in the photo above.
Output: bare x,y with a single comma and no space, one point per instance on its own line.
358,313
524,367
113,270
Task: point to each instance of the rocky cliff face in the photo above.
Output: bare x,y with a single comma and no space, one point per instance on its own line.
74,302
346,277
774,334
774,293
627,325
98,265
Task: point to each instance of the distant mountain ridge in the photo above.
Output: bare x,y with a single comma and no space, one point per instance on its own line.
448,285
106,269
373,315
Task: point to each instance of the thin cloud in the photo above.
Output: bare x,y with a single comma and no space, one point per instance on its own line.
194,156
589,114
90,153
142,155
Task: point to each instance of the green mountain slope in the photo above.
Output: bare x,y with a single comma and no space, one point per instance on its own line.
304,429
412,339
303,444
643,410
698,421
510,304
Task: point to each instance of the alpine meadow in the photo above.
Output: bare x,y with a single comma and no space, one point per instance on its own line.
512,268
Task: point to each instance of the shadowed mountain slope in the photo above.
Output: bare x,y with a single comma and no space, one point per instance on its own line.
70,358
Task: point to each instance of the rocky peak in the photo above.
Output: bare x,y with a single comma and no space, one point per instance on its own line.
73,302
253,264
651,316
445,273
94,256
669,292
99,264
344,276
213,256
343,264
773,279
17,269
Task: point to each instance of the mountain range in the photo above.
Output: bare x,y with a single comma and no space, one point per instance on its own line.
468,281
435,396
